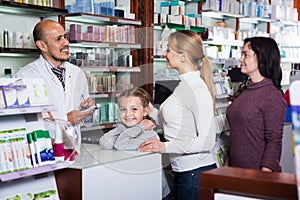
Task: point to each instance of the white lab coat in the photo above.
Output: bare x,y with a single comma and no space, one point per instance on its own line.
64,101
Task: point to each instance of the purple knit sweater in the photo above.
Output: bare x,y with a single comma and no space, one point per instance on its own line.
256,120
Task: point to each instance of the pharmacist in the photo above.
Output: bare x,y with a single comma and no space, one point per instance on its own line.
66,83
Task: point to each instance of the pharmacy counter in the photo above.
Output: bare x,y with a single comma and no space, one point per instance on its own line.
110,174
237,183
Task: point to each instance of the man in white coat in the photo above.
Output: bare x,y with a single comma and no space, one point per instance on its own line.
68,90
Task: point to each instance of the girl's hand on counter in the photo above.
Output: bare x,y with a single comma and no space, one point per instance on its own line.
153,146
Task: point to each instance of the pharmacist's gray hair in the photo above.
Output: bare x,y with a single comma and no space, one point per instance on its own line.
189,42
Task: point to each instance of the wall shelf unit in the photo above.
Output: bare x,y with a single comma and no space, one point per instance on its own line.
25,110
30,9
91,44
111,69
184,27
100,19
31,172
31,180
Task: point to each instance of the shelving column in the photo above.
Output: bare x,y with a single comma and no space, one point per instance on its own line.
144,10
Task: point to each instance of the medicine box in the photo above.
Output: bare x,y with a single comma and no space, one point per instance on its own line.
22,96
37,91
177,7
9,96
17,39
165,8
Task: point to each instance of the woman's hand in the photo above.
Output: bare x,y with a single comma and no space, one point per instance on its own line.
153,146
148,124
265,169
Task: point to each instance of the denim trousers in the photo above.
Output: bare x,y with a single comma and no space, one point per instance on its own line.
187,184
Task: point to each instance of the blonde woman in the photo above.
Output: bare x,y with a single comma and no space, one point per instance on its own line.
187,116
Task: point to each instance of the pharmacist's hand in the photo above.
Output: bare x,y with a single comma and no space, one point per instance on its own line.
153,146
87,103
148,124
75,116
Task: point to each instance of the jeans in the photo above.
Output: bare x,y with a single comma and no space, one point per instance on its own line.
187,184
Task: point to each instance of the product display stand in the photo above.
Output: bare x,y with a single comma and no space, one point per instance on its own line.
33,180
111,174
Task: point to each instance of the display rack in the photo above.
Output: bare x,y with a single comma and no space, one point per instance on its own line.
32,180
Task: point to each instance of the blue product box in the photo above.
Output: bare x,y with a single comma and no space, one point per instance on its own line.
22,96
103,8
9,95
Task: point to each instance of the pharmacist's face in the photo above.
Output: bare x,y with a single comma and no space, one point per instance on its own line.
56,45
131,110
248,60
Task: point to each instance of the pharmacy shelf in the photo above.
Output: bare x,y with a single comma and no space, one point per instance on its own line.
32,171
92,44
18,52
100,19
185,27
219,15
104,94
290,60
111,69
237,43
26,110
99,127
159,58
29,9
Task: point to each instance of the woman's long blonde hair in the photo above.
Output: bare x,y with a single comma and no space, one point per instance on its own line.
191,43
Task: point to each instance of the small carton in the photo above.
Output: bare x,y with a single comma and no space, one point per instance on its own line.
37,91
22,96
9,96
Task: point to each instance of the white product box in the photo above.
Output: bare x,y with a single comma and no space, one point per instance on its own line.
177,8
22,96
165,8
17,40
26,40
9,96
37,91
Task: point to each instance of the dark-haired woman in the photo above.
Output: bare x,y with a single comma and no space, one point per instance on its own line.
257,112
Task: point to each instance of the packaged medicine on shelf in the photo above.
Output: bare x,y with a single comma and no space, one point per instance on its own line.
177,7
14,151
27,41
24,148
5,38
70,144
8,97
33,155
17,40
37,91
22,96
97,114
49,147
58,144
40,147
5,153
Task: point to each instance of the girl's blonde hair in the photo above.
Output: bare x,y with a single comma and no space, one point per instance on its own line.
142,94
191,43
